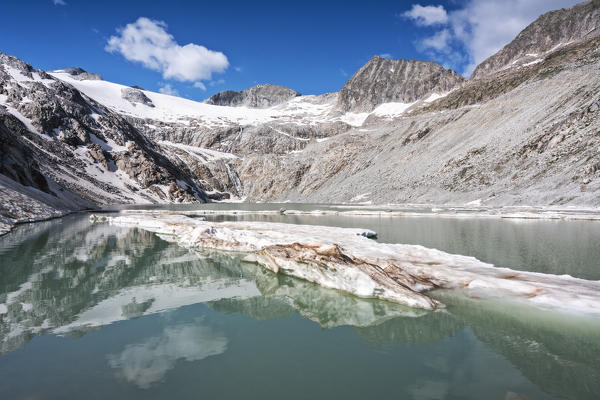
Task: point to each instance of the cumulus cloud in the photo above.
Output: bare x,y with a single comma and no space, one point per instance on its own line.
217,82
200,85
59,2
170,90
427,15
147,41
466,36
439,41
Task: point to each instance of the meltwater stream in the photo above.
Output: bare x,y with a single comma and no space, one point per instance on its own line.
99,311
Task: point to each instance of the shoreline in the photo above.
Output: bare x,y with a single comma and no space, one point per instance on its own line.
344,210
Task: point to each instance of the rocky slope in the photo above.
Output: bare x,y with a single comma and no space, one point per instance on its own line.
398,131
66,147
382,80
545,35
259,96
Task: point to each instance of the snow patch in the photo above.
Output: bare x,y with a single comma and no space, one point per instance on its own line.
392,109
539,60
434,96
360,197
202,154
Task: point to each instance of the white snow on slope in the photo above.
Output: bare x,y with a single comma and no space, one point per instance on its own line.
392,109
200,153
176,109
434,96
305,110
539,60
26,121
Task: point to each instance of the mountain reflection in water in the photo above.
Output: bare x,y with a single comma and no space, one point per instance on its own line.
72,278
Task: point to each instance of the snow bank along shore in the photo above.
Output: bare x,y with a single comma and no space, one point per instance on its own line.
347,260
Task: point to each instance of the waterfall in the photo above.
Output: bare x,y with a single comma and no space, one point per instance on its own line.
235,180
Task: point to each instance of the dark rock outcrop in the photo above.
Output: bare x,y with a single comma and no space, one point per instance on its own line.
259,96
81,74
136,96
383,80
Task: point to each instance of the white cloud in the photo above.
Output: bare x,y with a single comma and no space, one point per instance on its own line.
385,55
238,69
343,72
200,85
59,2
438,41
217,82
146,41
171,91
427,15
479,29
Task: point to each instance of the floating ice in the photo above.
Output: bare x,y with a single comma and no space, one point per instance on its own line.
345,259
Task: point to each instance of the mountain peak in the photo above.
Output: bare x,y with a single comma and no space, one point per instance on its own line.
382,80
549,32
80,74
258,96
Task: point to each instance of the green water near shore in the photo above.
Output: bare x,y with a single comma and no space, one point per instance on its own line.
98,311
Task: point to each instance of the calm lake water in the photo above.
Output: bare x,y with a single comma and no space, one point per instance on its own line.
96,311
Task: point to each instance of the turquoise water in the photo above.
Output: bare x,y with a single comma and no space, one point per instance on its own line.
97,311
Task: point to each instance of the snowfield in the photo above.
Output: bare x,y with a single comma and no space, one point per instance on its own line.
305,110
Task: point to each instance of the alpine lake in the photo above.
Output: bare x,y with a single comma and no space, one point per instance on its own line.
96,311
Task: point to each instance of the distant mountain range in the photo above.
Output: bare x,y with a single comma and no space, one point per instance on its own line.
523,130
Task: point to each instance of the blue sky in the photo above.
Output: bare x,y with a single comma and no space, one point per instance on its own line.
196,48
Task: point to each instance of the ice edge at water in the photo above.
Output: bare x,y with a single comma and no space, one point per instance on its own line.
345,259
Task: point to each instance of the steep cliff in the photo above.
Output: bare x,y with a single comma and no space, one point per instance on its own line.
382,80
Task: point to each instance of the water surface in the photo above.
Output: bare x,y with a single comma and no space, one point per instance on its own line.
98,311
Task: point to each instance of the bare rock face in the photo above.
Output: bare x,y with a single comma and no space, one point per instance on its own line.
136,96
259,96
382,80
69,152
549,32
81,74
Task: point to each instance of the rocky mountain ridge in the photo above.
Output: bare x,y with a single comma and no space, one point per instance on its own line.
382,80
258,96
399,131
546,34
62,144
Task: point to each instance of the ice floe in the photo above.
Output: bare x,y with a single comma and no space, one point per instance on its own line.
345,259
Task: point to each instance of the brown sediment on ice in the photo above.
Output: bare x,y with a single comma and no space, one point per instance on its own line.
345,259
